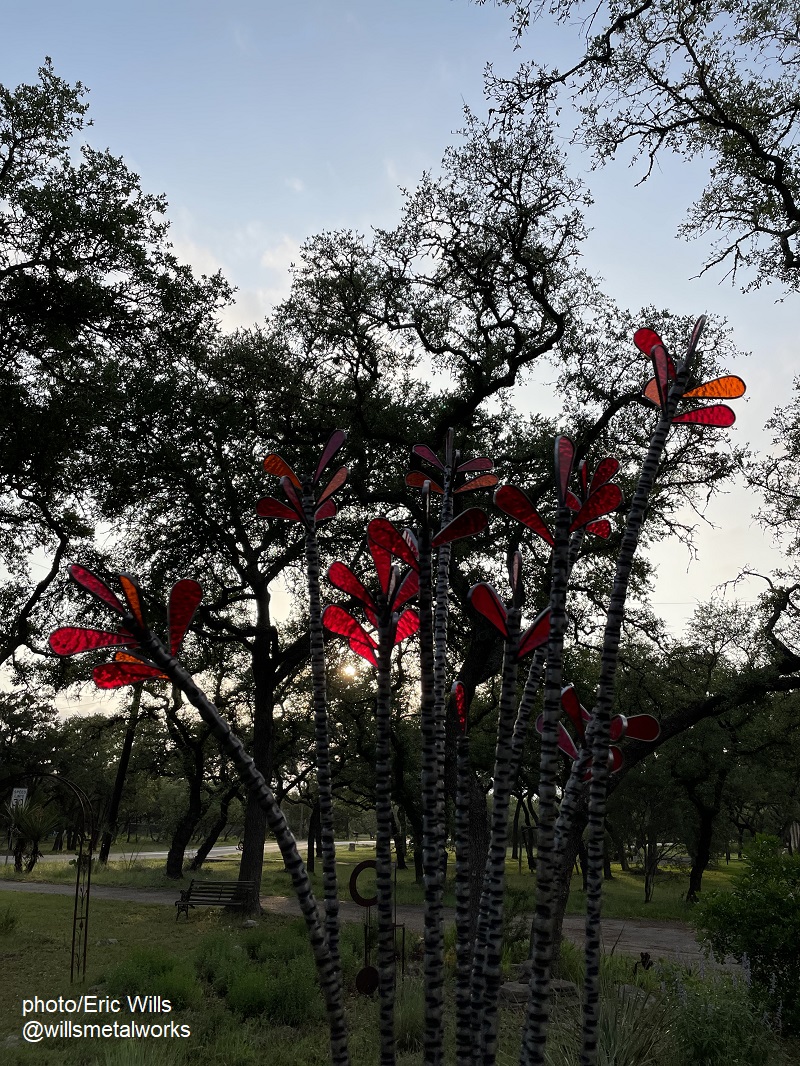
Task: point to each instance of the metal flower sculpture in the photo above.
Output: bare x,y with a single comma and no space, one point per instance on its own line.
445,479
304,506
595,498
486,967
643,727
309,508
383,612
657,388
128,668
154,660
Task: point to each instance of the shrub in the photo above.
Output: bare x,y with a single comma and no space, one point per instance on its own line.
151,971
8,920
219,959
286,995
715,1023
409,1015
758,923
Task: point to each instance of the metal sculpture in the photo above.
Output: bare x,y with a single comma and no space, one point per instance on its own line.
156,660
591,740
309,508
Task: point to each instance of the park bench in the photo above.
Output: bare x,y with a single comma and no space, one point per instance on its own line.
215,894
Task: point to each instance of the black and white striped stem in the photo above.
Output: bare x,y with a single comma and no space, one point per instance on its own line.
601,716
534,1035
534,678
434,816
463,894
383,840
321,729
328,974
489,939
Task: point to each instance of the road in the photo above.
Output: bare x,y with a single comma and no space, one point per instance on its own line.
222,851
672,941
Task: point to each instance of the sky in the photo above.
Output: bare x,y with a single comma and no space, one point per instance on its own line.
266,121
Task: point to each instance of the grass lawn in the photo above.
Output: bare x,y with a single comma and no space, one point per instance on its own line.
249,996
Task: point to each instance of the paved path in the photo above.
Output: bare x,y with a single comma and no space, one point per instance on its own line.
674,941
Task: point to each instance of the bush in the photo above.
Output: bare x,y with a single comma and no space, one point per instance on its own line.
286,995
714,1022
219,959
153,972
758,923
8,920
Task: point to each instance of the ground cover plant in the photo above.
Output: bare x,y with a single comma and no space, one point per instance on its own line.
225,983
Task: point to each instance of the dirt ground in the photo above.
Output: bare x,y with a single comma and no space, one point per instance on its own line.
671,941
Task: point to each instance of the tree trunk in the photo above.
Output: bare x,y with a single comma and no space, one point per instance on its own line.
216,829
399,834
702,854
313,834
515,848
119,781
262,747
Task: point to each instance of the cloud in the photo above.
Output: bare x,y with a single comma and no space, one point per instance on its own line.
295,184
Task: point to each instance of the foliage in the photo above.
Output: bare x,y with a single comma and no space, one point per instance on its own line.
715,1023
703,79
155,971
758,922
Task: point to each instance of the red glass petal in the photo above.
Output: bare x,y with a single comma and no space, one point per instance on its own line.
272,508
295,502
699,326
727,388
617,727
573,502
600,529
411,541
583,476
575,712
485,481
364,650
615,759
535,635
71,640
469,522
516,503
643,727
86,579
407,625
408,589
133,597
651,392
382,534
416,480
645,339
606,498
335,441
274,464
424,452
337,620
184,599
565,456
372,618
515,572
325,511
665,372
481,463
606,469
718,414
342,577
486,602
460,700
565,741
334,484
114,675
